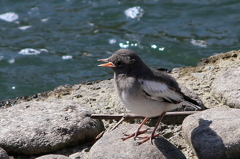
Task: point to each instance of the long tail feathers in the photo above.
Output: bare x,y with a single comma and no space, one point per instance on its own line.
190,102
191,105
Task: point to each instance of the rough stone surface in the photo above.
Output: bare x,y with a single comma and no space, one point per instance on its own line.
79,155
53,157
214,133
200,78
226,88
35,127
112,146
3,154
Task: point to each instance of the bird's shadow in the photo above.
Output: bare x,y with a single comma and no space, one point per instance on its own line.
206,142
168,150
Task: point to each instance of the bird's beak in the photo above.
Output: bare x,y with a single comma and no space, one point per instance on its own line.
108,64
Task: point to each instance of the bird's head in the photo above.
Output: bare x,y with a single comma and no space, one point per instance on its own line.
122,61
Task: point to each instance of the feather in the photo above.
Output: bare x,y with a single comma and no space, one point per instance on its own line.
187,103
160,91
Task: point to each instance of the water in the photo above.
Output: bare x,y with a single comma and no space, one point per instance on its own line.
47,43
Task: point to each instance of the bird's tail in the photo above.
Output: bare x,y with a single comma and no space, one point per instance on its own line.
190,102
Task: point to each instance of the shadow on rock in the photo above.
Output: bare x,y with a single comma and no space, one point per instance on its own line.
167,149
206,142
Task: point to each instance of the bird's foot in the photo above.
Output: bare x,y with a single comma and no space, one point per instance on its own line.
146,138
135,135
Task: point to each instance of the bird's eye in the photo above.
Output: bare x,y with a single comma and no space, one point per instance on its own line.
119,63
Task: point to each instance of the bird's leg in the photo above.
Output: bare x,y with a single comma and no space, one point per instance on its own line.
137,132
153,135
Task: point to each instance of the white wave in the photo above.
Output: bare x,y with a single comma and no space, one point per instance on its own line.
9,16
29,51
134,12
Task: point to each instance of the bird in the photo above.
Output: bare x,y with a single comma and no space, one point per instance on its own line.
144,90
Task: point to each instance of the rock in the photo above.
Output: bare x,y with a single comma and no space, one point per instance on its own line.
214,133
35,128
200,78
53,157
78,155
112,146
226,88
3,154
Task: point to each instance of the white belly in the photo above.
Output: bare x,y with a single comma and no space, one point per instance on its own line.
140,105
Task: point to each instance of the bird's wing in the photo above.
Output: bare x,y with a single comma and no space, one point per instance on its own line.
160,91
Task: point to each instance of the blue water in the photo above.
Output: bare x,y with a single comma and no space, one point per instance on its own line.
47,43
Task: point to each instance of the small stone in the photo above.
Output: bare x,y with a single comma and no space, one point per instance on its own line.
53,157
3,154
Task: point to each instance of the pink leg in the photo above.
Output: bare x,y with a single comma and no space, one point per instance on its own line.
152,135
138,132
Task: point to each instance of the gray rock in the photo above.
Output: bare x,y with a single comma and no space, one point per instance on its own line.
3,154
35,128
111,146
214,133
78,155
226,88
53,157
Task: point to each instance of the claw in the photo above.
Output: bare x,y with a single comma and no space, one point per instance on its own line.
146,138
135,135
150,137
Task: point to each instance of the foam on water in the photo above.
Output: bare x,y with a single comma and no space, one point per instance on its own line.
9,16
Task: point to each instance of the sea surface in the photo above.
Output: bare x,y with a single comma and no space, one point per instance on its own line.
47,43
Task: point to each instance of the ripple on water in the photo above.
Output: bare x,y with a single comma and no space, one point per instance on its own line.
66,57
30,51
134,12
9,16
